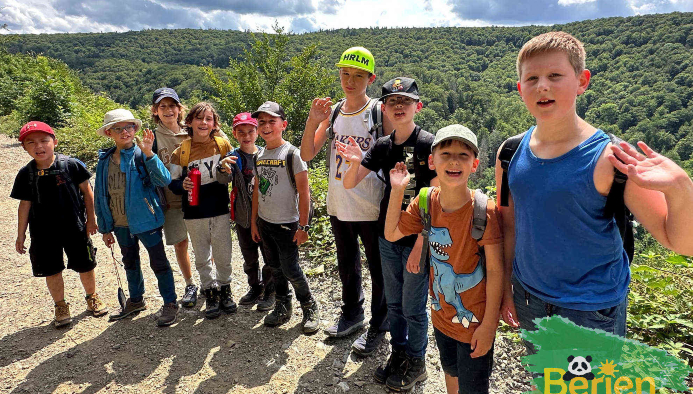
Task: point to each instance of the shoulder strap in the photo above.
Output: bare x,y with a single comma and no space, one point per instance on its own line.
185,147
333,118
222,145
505,156
142,168
616,206
479,218
377,118
290,166
425,213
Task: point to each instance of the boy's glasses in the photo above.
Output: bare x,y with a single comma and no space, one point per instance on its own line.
118,130
399,101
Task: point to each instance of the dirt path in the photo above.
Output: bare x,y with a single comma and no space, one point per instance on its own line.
232,354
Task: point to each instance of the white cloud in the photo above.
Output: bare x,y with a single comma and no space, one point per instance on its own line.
570,2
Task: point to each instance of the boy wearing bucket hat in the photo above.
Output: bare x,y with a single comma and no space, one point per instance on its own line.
54,186
128,206
405,291
353,212
466,260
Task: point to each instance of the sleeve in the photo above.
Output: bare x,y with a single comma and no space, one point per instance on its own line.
158,172
78,171
21,190
373,158
299,165
176,185
492,234
410,220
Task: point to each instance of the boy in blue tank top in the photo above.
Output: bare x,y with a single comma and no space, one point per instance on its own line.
563,254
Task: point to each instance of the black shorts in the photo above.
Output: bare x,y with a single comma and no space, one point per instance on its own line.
46,253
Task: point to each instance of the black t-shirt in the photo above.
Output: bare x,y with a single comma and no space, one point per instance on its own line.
385,154
53,202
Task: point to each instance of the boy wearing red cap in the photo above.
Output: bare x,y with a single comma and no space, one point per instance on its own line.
54,188
239,165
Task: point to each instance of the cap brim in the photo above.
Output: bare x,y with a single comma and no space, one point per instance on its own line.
257,113
412,95
242,122
102,130
166,96
461,139
340,65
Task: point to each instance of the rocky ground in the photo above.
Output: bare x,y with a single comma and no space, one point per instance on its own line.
232,354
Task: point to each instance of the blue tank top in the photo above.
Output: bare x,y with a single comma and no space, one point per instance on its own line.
567,252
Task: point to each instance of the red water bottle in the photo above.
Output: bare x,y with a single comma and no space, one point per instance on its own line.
196,177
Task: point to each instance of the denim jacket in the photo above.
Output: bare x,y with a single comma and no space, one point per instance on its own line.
142,205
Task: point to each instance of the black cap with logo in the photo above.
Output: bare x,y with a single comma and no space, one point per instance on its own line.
402,86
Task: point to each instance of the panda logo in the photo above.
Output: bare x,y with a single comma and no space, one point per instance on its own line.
579,367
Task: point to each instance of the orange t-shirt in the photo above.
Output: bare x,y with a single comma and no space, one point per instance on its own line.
457,284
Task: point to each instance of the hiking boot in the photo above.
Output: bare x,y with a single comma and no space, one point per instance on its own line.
95,305
396,359
189,299
267,300
311,317
368,342
169,313
414,370
280,314
212,310
62,314
130,308
344,326
252,296
226,300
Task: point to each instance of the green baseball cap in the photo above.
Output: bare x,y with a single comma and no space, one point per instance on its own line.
358,57
456,132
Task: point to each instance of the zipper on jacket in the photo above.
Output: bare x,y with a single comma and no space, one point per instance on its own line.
151,209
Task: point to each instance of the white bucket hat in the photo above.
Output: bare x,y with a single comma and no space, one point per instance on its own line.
117,116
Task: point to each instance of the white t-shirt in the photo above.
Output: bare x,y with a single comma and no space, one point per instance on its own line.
362,203
277,199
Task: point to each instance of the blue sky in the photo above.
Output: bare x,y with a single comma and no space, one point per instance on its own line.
70,16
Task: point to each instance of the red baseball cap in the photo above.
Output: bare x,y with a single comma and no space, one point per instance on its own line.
244,118
34,127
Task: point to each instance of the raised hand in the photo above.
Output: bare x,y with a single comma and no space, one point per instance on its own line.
320,109
650,171
351,151
226,163
147,142
399,176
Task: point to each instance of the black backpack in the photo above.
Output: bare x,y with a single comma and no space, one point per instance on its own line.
60,169
615,206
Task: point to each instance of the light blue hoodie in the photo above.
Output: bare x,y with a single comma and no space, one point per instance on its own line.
142,205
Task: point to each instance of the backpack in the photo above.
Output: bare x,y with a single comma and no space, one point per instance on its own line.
374,112
478,222
144,176
292,177
61,169
615,205
186,147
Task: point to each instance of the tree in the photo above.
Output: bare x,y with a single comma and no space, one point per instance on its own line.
268,72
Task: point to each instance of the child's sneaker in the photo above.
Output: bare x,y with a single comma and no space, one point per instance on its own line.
130,308
189,299
212,310
267,300
62,314
344,326
226,300
411,371
394,362
169,313
251,296
281,313
368,342
95,305
311,317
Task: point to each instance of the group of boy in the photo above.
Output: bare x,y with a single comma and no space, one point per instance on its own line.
390,181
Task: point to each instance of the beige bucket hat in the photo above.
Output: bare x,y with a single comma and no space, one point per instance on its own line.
117,116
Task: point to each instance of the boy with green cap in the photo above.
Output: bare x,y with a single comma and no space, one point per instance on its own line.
353,212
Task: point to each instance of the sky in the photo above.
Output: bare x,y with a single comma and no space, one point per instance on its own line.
300,16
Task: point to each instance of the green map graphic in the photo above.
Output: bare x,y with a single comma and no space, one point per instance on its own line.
619,365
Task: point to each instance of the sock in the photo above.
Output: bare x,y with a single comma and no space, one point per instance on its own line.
189,281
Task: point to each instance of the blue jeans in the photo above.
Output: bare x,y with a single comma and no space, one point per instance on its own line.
406,295
530,307
130,248
472,374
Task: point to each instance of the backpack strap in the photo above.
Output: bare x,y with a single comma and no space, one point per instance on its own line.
479,216
221,145
616,206
505,156
290,166
425,213
377,118
142,169
329,132
185,147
